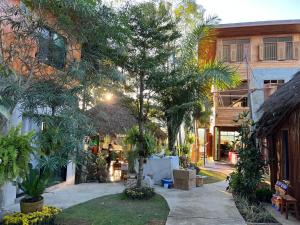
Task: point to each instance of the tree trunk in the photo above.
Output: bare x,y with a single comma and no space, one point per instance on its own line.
172,129
141,132
171,138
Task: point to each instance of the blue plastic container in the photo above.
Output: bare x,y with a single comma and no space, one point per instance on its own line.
167,182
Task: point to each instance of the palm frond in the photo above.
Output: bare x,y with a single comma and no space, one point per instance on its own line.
221,75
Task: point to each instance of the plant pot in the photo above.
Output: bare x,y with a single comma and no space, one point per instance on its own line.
29,207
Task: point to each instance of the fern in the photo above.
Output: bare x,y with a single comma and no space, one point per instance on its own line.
15,150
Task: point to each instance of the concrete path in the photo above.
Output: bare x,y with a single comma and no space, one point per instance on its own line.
69,195
219,167
207,205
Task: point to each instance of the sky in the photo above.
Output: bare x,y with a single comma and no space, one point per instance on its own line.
234,11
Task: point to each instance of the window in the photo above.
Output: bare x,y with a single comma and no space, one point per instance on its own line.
235,50
270,86
52,48
278,48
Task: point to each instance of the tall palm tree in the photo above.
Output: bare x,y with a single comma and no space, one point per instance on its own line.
188,84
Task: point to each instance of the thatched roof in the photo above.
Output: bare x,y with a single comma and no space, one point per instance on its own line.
279,106
112,117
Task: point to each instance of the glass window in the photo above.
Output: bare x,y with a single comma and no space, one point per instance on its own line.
52,48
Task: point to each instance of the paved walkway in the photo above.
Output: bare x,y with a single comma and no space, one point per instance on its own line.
219,167
209,204
69,195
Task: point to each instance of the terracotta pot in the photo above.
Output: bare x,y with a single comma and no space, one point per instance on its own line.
29,207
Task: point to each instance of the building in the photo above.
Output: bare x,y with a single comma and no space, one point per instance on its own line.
266,55
29,54
279,129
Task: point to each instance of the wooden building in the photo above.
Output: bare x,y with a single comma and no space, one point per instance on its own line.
279,129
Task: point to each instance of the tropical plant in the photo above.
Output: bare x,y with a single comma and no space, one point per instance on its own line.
249,168
185,85
34,185
15,151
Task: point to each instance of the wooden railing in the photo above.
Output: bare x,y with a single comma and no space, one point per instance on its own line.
225,116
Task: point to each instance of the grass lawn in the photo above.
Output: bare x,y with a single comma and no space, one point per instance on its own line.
212,176
114,209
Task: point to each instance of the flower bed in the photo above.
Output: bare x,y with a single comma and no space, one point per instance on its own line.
254,213
139,193
44,217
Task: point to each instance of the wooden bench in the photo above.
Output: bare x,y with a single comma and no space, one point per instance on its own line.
285,200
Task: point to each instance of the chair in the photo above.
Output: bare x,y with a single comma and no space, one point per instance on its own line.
288,201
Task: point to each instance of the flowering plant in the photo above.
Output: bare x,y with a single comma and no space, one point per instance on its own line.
46,217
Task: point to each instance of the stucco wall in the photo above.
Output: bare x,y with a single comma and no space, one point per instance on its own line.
257,84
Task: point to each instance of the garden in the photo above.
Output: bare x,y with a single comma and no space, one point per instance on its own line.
249,189
144,54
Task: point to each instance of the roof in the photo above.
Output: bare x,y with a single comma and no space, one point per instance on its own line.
258,28
279,106
112,117
259,23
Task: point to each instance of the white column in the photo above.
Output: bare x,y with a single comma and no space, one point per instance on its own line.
7,194
71,169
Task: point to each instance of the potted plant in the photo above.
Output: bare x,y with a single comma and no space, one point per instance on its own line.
33,185
15,151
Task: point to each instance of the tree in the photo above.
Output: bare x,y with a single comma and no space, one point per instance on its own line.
51,96
185,85
150,30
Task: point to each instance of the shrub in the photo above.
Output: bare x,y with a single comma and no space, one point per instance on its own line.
251,212
249,168
44,217
139,193
264,194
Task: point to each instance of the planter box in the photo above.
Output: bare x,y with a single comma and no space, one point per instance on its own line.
184,179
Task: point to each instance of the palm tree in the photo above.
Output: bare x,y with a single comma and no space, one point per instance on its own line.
187,85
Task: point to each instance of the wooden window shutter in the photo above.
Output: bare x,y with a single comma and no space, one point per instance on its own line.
233,52
296,50
220,52
281,50
261,52
247,54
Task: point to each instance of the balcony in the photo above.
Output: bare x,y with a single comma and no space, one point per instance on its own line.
226,115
